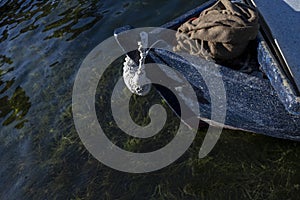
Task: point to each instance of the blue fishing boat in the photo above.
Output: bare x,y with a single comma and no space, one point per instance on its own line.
262,85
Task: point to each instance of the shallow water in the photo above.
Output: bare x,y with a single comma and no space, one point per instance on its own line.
42,45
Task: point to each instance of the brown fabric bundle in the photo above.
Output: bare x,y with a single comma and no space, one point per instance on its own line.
220,32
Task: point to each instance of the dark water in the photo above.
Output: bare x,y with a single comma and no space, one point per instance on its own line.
42,44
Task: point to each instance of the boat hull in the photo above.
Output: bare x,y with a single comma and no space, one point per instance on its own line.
254,104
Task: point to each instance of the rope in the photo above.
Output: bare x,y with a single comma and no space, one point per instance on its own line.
135,76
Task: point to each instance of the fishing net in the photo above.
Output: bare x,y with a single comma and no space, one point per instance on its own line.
222,31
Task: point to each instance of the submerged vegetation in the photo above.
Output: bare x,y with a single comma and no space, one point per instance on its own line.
42,45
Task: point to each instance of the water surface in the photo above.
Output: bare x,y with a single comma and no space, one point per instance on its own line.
42,45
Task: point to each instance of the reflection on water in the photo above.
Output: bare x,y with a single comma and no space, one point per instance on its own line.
58,18
42,44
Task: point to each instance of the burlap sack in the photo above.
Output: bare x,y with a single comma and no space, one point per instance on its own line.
220,32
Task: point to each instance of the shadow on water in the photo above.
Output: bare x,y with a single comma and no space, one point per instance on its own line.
42,44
